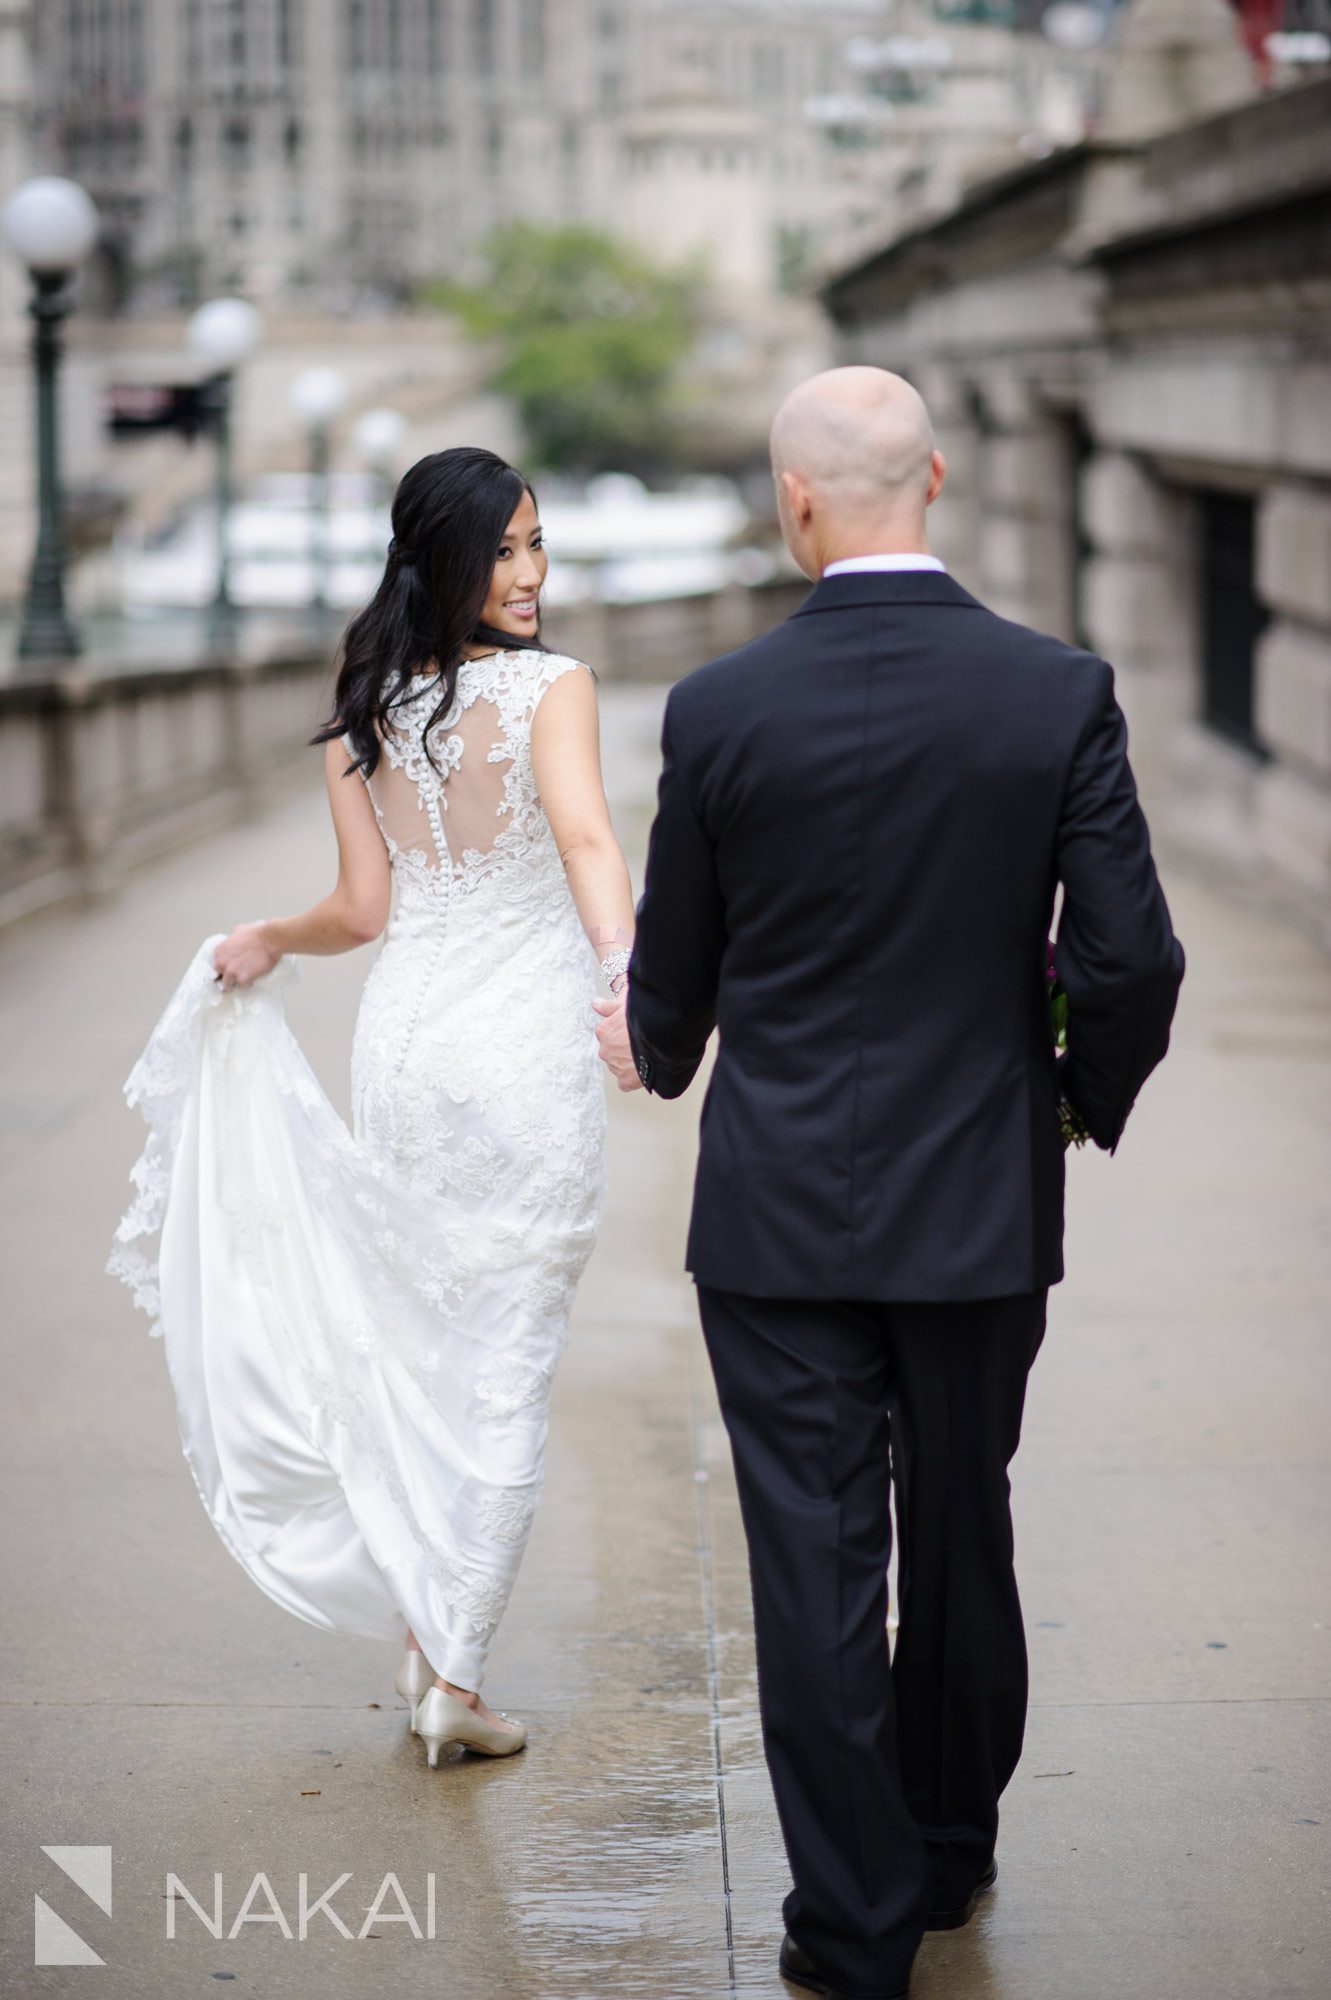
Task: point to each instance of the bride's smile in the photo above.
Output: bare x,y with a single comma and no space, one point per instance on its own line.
514,600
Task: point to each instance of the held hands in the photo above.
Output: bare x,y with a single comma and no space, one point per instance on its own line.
244,956
612,1032
613,1036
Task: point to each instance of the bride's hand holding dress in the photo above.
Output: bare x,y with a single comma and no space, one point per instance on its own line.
354,913
244,956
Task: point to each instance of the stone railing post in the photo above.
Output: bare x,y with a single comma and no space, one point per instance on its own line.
243,699
84,784
1138,601
1024,483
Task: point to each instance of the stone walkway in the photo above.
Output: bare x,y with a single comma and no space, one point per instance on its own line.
1166,1837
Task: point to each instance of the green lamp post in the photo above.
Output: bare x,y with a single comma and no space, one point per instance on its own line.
378,436
223,334
317,396
51,224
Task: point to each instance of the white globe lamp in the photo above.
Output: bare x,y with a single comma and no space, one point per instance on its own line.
317,395
51,224
379,435
224,333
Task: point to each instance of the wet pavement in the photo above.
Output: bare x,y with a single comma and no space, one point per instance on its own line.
1166,1837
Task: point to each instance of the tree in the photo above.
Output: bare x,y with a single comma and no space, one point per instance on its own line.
590,337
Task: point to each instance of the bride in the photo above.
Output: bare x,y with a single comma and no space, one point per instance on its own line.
362,1330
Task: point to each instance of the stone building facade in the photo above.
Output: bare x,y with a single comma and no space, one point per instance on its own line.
310,148
1127,350
292,146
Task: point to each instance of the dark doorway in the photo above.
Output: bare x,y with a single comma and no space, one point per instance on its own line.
1232,614
1080,547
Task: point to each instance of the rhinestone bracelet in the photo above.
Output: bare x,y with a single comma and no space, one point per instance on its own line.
615,966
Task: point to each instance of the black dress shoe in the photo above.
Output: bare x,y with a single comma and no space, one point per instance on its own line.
952,1920
800,1970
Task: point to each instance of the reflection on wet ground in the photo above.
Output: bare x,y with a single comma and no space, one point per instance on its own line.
1165,1831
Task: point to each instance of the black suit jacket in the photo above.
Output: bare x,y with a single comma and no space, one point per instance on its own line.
861,821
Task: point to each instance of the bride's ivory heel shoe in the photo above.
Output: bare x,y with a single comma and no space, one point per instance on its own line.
414,1676
442,1718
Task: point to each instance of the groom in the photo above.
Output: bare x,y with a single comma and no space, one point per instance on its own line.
862,821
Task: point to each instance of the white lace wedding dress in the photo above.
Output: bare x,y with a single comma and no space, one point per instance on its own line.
361,1330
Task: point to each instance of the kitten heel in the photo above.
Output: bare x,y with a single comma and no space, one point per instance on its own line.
413,1677
441,1718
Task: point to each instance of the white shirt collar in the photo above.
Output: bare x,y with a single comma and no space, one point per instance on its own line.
863,565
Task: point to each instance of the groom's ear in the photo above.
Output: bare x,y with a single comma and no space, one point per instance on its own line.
798,497
937,474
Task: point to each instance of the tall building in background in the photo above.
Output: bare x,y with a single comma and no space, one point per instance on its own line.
318,150
16,117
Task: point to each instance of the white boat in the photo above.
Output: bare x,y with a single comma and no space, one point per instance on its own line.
614,541
274,533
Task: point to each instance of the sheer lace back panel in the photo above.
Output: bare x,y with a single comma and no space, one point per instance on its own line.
477,798
473,759
403,813
472,799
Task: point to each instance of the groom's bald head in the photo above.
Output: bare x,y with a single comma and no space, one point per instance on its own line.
858,434
855,464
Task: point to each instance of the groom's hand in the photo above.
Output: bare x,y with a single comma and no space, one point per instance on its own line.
616,1048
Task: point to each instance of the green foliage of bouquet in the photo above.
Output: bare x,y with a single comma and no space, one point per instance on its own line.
1069,1121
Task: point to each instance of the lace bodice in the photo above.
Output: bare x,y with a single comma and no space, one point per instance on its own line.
466,811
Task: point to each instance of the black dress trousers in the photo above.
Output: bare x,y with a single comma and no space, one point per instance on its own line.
886,1780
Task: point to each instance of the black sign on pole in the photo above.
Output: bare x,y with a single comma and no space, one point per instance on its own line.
137,409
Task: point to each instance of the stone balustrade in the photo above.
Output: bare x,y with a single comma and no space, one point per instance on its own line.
99,771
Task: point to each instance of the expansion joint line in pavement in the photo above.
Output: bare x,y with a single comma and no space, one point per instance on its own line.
702,1481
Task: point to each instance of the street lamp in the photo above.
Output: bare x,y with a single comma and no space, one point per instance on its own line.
51,224
378,436
317,394
223,333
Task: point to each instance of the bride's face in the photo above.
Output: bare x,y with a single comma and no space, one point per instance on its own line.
519,573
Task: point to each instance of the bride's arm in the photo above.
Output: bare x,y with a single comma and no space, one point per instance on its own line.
566,764
355,911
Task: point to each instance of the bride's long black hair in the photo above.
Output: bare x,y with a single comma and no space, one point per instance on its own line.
449,515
